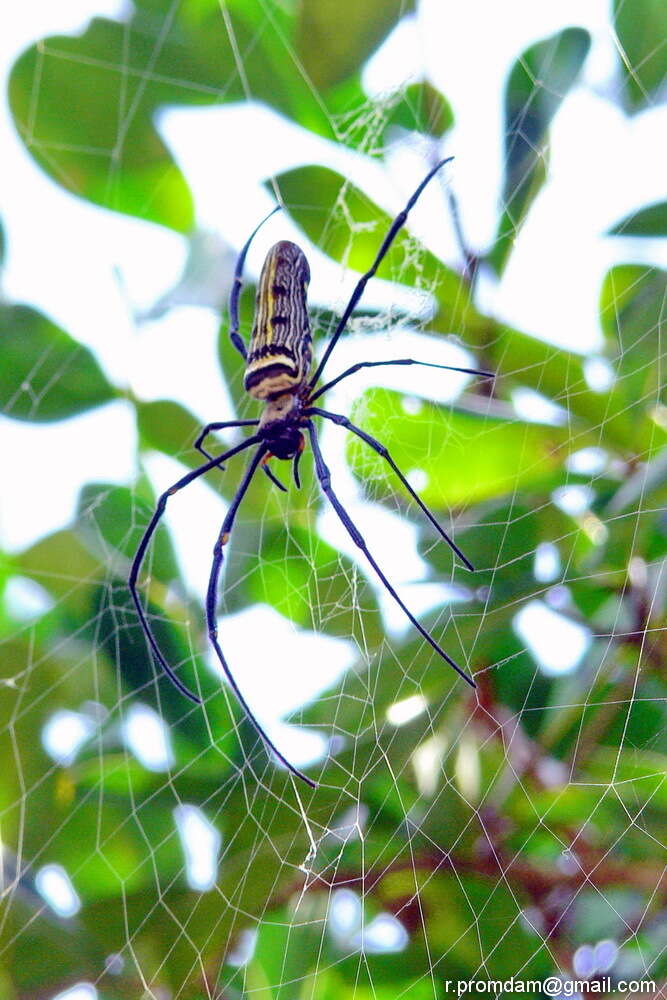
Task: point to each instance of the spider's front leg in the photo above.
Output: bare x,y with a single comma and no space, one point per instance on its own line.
219,426
324,478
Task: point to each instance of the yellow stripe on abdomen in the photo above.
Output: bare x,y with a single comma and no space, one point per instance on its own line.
280,347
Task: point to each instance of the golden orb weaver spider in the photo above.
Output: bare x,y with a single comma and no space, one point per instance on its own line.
277,367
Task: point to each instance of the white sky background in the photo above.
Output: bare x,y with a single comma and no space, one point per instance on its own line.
93,271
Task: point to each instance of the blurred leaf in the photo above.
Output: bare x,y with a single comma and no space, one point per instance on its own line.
632,309
117,773
520,359
501,544
537,85
311,583
496,932
464,457
66,569
109,70
47,950
34,684
119,633
92,129
641,29
287,949
170,428
335,37
477,633
206,278
647,480
264,840
422,108
44,373
314,197
110,522
649,221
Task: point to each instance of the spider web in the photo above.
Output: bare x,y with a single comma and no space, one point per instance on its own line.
514,831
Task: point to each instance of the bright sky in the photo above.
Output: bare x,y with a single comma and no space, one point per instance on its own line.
93,272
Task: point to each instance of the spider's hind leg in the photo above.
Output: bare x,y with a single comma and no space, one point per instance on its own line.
141,551
211,606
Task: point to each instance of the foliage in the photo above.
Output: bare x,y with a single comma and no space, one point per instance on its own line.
549,811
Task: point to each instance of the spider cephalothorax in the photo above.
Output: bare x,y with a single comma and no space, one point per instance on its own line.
277,369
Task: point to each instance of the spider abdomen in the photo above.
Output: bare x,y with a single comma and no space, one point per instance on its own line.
280,353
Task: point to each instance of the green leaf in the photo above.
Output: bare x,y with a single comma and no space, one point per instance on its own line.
108,150
349,228
113,526
501,545
632,310
118,632
92,129
649,221
66,568
641,29
286,951
422,108
46,951
520,359
170,428
538,83
334,38
465,458
45,374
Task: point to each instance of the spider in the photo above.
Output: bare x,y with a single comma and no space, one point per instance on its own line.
278,363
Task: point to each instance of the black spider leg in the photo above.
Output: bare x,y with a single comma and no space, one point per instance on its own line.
394,229
221,425
324,477
295,469
381,450
471,260
212,601
266,468
234,335
143,545
398,361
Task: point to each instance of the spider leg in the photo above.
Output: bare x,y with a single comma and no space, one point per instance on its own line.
295,467
324,477
212,601
219,426
399,361
271,474
471,260
381,450
394,229
141,551
234,335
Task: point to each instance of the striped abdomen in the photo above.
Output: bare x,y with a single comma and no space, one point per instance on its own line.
280,354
